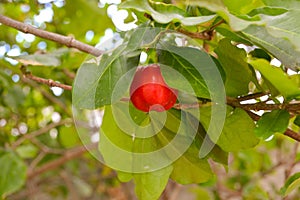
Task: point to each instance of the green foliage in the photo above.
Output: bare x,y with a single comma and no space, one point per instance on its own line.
275,75
211,51
273,122
238,129
13,173
291,184
233,61
151,184
165,13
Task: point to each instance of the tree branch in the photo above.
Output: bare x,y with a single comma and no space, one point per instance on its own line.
293,107
288,132
67,156
49,82
47,95
65,40
205,35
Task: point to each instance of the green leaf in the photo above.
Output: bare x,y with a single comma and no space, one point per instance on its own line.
259,53
119,134
238,129
291,184
238,73
12,174
42,59
287,4
217,154
68,136
149,186
242,7
84,88
165,13
189,168
280,35
14,98
94,84
273,122
184,66
297,120
280,80
124,150
124,177
196,66
27,151
218,6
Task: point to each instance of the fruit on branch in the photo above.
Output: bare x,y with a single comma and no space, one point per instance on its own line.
149,91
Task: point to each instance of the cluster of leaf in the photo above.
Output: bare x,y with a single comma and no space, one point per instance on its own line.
26,106
269,25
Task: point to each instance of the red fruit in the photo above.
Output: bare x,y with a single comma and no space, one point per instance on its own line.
149,91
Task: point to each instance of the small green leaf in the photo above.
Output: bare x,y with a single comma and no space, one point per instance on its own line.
259,53
184,67
238,129
287,4
196,66
44,59
124,176
14,98
27,151
280,35
12,173
68,136
165,13
189,168
236,23
280,80
242,7
297,120
291,184
273,122
149,186
233,61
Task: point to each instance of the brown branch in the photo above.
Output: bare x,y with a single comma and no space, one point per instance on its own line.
288,131
198,35
217,24
65,40
67,156
251,96
39,132
204,35
293,107
47,95
49,82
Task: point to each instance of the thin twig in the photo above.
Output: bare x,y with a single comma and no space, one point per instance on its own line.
36,160
49,82
251,96
204,35
44,148
67,156
47,95
217,24
198,35
293,107
65,40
